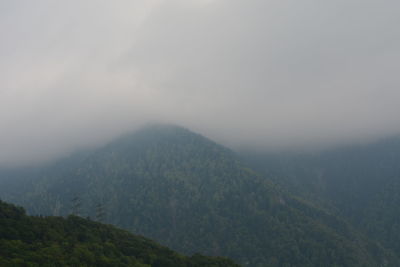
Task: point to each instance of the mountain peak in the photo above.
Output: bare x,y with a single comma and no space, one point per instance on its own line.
193,195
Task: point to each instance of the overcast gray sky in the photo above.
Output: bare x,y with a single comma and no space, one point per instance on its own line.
269,73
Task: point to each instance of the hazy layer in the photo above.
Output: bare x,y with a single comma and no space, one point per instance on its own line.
273,74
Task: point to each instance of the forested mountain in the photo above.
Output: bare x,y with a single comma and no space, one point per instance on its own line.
360,183
193,195
74,241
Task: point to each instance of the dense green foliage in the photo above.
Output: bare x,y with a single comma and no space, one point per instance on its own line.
74,241
360,183
193,195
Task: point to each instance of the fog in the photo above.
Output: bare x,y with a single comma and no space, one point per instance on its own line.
274,74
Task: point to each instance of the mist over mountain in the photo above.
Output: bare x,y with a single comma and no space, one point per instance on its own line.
292,154
272,74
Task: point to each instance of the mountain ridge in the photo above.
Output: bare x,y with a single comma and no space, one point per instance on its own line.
193,195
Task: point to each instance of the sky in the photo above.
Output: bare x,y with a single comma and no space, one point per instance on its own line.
270,74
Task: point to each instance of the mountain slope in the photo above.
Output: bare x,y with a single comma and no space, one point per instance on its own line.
361,183
50,241
193,195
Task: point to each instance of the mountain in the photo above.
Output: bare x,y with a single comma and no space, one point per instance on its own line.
193,195
74,241
360,183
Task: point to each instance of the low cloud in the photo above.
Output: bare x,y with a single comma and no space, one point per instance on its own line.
273,74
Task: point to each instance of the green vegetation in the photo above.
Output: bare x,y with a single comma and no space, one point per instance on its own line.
74,241
358,183
194,196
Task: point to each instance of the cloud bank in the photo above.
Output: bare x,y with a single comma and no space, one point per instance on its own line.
272,73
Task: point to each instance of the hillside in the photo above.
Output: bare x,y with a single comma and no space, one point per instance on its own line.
360,183
74,241
193,195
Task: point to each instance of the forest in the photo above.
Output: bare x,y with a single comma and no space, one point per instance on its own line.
196,196
75,241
